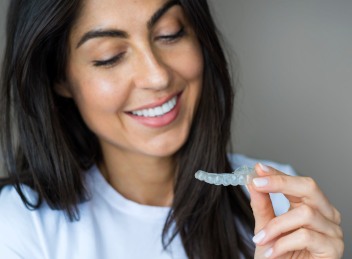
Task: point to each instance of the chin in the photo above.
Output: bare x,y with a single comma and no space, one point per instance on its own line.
163,150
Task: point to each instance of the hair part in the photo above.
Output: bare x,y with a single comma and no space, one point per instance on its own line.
47,146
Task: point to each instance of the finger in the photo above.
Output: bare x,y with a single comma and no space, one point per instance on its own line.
262,208
301,217
263,212
296,188
315,244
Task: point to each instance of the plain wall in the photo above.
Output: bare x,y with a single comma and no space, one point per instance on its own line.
293,101
294,61
3,9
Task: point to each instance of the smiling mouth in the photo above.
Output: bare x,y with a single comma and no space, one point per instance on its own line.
159,110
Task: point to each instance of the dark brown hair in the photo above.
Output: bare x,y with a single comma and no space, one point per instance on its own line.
47,146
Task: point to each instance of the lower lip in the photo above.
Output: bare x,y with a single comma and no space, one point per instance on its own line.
159,121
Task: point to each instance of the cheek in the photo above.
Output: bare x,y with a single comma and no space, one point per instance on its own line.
93,94
190,64
191,68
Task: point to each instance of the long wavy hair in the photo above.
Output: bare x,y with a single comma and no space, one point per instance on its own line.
46,145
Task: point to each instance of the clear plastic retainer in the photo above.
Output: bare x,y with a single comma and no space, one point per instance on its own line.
241,176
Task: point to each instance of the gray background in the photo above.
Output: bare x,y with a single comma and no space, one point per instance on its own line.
294,64
3,8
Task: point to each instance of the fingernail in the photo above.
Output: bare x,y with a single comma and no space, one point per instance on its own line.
259,237
260,182
268,252
264,168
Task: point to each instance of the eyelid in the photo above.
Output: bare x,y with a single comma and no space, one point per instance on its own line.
115,59
110,61
171,37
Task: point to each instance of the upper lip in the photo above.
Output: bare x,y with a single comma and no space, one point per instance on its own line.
156,103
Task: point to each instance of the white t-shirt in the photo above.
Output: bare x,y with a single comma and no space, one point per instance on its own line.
110,226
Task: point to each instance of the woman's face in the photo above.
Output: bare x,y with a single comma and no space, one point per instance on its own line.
135,72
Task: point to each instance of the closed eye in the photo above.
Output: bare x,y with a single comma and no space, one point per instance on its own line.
166,38
108,62
173,37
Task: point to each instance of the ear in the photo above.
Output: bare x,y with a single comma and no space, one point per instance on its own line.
63,89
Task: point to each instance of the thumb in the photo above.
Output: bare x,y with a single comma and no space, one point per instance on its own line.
261,205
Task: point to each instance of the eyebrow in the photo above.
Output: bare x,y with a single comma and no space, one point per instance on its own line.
122,34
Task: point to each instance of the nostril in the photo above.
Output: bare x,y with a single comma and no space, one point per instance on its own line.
151,72
156,79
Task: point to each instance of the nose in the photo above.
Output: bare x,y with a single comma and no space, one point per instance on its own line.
150,71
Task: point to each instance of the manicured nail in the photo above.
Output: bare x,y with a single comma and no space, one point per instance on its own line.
259,237
260,182
268,252
264,168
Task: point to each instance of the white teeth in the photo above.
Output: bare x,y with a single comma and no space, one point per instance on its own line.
157,111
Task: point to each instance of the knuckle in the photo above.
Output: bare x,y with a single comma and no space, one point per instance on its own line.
339,248
304,235
274,222
337,216
281,180
339,233
307,213
311,184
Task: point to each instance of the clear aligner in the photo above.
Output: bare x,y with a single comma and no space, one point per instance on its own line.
241,176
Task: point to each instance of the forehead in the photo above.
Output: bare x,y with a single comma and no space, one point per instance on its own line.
123,14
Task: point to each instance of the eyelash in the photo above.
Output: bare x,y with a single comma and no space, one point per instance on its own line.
166,38
173,37
108,62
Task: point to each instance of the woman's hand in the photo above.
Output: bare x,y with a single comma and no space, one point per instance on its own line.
310,229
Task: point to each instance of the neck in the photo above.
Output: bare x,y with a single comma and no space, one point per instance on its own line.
143,179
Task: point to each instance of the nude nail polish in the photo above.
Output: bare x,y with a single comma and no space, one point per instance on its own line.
260,182
268,252
264,168
259,237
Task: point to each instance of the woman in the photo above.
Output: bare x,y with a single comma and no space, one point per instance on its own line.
109,108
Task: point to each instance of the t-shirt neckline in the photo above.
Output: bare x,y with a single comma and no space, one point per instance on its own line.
99,185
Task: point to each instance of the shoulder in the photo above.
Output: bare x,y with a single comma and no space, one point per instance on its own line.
12,208
17,223
280,203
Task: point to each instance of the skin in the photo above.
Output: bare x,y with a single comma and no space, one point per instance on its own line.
138,161
311,227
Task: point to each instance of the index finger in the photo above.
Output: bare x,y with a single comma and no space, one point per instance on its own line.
297,189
